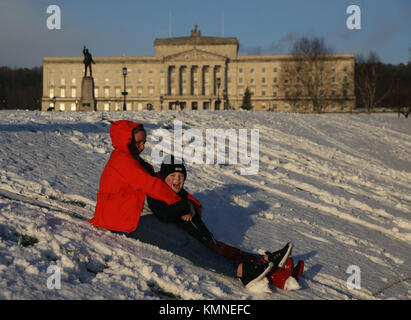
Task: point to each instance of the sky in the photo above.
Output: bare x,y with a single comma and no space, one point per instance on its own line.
129,27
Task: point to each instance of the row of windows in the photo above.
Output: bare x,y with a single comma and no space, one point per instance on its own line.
184,70
275,69
117,106
118,92
286,81
52,81
62,92
322,92
105,92
97,71
195,81
251,70
130,71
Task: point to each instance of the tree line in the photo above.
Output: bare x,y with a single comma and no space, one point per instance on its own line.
383,85
21,88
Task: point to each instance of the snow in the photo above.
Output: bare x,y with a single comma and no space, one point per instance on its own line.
291,284
337,186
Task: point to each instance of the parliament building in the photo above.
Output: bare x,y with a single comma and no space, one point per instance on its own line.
195,72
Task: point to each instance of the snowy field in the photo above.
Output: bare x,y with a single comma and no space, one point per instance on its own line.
337,186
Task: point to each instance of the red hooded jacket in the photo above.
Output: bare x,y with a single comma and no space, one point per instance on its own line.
124,185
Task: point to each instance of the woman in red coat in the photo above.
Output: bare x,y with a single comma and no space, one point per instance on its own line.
126,180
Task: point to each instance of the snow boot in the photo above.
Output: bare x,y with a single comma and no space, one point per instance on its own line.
298,269
253,272
278,258
280,276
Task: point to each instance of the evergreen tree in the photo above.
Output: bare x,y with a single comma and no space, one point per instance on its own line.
246,105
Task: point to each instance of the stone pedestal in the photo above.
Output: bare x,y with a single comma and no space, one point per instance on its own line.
87,101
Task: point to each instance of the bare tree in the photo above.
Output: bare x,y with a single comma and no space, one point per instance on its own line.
368,81
306,77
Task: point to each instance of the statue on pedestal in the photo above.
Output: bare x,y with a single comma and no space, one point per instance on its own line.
195,32
88,101
88,60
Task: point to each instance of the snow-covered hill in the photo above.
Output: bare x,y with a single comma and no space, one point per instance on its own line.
338,186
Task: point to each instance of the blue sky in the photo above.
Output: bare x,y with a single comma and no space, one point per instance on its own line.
126,27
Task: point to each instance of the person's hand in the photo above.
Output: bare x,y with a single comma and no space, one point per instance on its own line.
187,217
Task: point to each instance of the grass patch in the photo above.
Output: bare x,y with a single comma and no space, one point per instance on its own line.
77,203
27,241
161,292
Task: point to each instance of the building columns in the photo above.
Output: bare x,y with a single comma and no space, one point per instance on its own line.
200,80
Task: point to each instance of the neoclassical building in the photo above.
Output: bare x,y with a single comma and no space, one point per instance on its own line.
196,73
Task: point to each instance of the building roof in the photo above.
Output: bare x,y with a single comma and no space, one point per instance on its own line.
195,39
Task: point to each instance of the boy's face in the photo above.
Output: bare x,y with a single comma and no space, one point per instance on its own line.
175,181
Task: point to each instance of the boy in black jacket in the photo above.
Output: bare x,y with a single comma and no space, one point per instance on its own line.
187,215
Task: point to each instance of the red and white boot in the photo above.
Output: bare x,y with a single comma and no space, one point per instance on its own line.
278,277
298,270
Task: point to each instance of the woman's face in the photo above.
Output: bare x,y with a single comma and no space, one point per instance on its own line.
175,181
